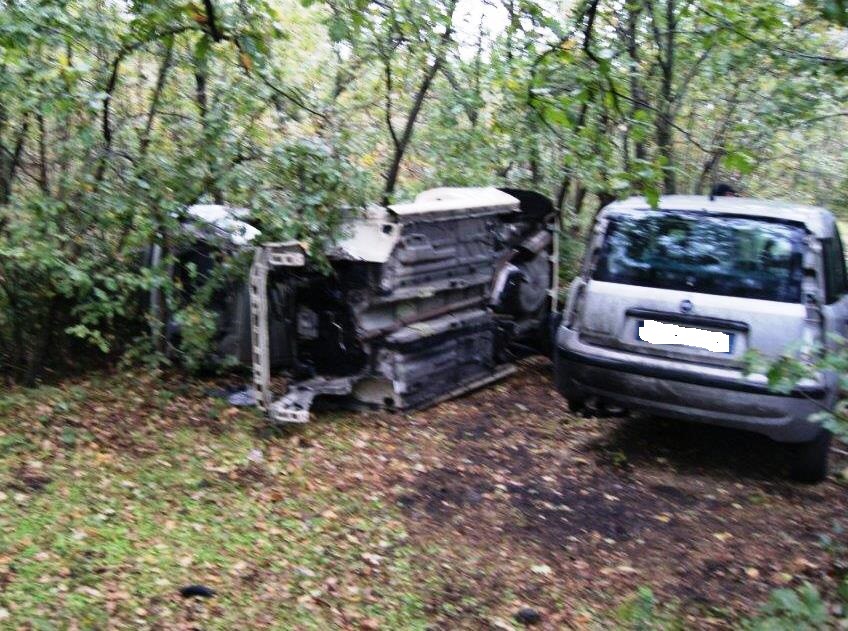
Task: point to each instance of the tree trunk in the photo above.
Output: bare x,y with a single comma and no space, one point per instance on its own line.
664,129
9,163
38,356
401,143
43,179
633,14
665,140
201,97
161,77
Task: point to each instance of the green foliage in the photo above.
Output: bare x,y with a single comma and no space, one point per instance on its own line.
642,612
789,609
115,116
835,11
786,371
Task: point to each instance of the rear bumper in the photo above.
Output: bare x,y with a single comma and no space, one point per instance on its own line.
707,396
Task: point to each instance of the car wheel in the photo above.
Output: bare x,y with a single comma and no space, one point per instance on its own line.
576,405
810,459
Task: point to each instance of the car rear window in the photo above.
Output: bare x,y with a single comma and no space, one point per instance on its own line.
710,254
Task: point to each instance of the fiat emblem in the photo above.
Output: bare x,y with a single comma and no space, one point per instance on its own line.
686,306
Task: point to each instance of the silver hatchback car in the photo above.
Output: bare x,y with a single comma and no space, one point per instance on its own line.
670,301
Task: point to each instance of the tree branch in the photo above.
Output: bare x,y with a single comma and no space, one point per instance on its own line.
157,94
111,83
214,32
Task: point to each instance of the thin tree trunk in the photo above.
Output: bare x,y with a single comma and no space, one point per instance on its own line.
401,142
43,179
664,129
202,101
633,14
9,163
157,96
579,198
36,360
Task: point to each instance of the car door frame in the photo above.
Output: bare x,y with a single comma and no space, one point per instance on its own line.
835,308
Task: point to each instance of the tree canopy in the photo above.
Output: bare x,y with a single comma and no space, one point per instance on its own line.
116,115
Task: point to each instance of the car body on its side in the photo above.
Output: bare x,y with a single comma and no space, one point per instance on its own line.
671,301
414,303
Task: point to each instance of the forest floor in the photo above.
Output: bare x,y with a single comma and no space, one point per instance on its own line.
117,491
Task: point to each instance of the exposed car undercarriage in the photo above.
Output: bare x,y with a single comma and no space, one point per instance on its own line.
424,301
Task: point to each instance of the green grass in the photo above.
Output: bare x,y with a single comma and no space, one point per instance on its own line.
114,534
117,492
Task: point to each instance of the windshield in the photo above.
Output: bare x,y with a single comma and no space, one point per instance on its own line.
710,254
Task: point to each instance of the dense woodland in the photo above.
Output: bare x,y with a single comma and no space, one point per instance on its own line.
115,115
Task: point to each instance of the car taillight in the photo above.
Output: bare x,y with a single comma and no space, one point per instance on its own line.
812,340
575,305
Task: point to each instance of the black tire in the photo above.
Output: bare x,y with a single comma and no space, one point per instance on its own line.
576,405
810,459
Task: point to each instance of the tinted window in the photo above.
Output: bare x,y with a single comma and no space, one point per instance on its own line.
834,268
728,256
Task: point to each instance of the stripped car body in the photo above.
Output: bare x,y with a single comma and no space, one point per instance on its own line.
426,300
423,301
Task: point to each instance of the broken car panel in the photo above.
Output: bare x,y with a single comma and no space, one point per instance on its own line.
425,300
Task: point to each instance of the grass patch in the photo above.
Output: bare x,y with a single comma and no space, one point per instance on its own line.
95,532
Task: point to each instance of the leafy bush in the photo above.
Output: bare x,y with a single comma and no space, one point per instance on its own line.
786,371
799,608
115,117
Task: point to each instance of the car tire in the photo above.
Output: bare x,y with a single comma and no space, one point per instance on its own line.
810,459
576,405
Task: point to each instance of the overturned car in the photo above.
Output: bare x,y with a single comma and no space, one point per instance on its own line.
424,301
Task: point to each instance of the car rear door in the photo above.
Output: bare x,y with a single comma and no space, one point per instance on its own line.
835,309
698,288
642,320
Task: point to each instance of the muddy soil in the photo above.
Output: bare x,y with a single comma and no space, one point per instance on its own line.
521,502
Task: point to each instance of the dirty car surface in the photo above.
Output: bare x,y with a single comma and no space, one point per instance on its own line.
423,301
426,300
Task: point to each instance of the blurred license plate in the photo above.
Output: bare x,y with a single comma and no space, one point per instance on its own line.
665,334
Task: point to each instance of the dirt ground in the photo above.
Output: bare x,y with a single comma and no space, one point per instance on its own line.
511,493
117,491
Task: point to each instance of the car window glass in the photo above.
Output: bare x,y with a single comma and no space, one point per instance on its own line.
834,268
731,256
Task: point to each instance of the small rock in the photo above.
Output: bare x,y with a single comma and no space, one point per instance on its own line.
543,570
197,591
217,393
528,616
372,559
301,442
500,624
245,398
255,455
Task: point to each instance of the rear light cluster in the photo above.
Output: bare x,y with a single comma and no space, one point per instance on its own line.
575,305
812,340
